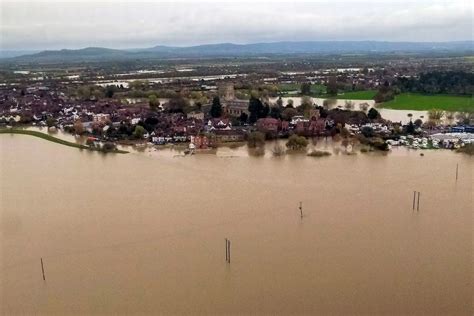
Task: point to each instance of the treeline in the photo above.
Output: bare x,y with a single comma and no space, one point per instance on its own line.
437,82
449,82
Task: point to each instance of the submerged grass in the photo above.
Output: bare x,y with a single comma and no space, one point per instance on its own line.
56,140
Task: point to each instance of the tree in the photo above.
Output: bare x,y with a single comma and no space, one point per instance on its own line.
296,142
435,115
279,102
255,139
328,103
331,86
138,132
243,117
153,101
364,106
138,84
265,111
306,88
178,105
410,128
306,106
275,112
450,116
216,107
349,105
465,117
108,147
256,109
109,91
288,113
50,121
78,127
367,131
373,114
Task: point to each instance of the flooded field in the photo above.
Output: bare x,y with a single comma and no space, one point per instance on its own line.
144,232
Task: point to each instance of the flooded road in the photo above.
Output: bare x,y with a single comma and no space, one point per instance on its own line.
144,233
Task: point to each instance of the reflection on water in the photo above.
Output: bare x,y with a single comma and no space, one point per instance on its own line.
144,232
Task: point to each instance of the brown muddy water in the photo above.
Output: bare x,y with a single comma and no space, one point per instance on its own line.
143,233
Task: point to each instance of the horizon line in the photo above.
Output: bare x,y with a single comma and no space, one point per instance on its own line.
230,43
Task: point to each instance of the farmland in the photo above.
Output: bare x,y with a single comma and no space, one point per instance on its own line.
414,101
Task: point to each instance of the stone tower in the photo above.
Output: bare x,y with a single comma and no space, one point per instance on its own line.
226,91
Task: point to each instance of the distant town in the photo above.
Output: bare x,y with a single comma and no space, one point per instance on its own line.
205,105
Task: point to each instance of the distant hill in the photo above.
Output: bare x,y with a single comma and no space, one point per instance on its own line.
312,47
89,53
242,50
14,53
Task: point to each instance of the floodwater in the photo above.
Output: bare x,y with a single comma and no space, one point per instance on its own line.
144,233
388,114
319,101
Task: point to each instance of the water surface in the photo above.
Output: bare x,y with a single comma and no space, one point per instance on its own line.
144,232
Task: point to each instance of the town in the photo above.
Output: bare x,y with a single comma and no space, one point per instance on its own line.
205,108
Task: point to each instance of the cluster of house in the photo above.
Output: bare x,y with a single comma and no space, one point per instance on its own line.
435,141
36,104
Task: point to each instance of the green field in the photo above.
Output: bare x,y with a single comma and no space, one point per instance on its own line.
414,101
285,87
316,89
357,95
54,139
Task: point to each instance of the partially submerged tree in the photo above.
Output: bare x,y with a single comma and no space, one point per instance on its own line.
435,115
255,139
364,106
349,105
78,127
465,117
296,142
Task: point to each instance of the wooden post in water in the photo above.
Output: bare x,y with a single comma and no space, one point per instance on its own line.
301,209
42,269
418,204
226,253
414,196
457,168
228,250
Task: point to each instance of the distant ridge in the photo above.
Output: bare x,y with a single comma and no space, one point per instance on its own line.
238,50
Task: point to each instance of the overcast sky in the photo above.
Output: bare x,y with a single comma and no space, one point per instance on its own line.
125,24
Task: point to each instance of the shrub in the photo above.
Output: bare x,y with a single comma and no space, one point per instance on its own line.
319,153
259,151
255,139
467,149
108,146
296,142
278,150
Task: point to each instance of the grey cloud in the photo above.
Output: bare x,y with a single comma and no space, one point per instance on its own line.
52,25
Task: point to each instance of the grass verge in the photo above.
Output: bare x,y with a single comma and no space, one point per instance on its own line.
56,140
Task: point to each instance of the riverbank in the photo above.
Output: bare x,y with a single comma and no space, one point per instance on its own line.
57,140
